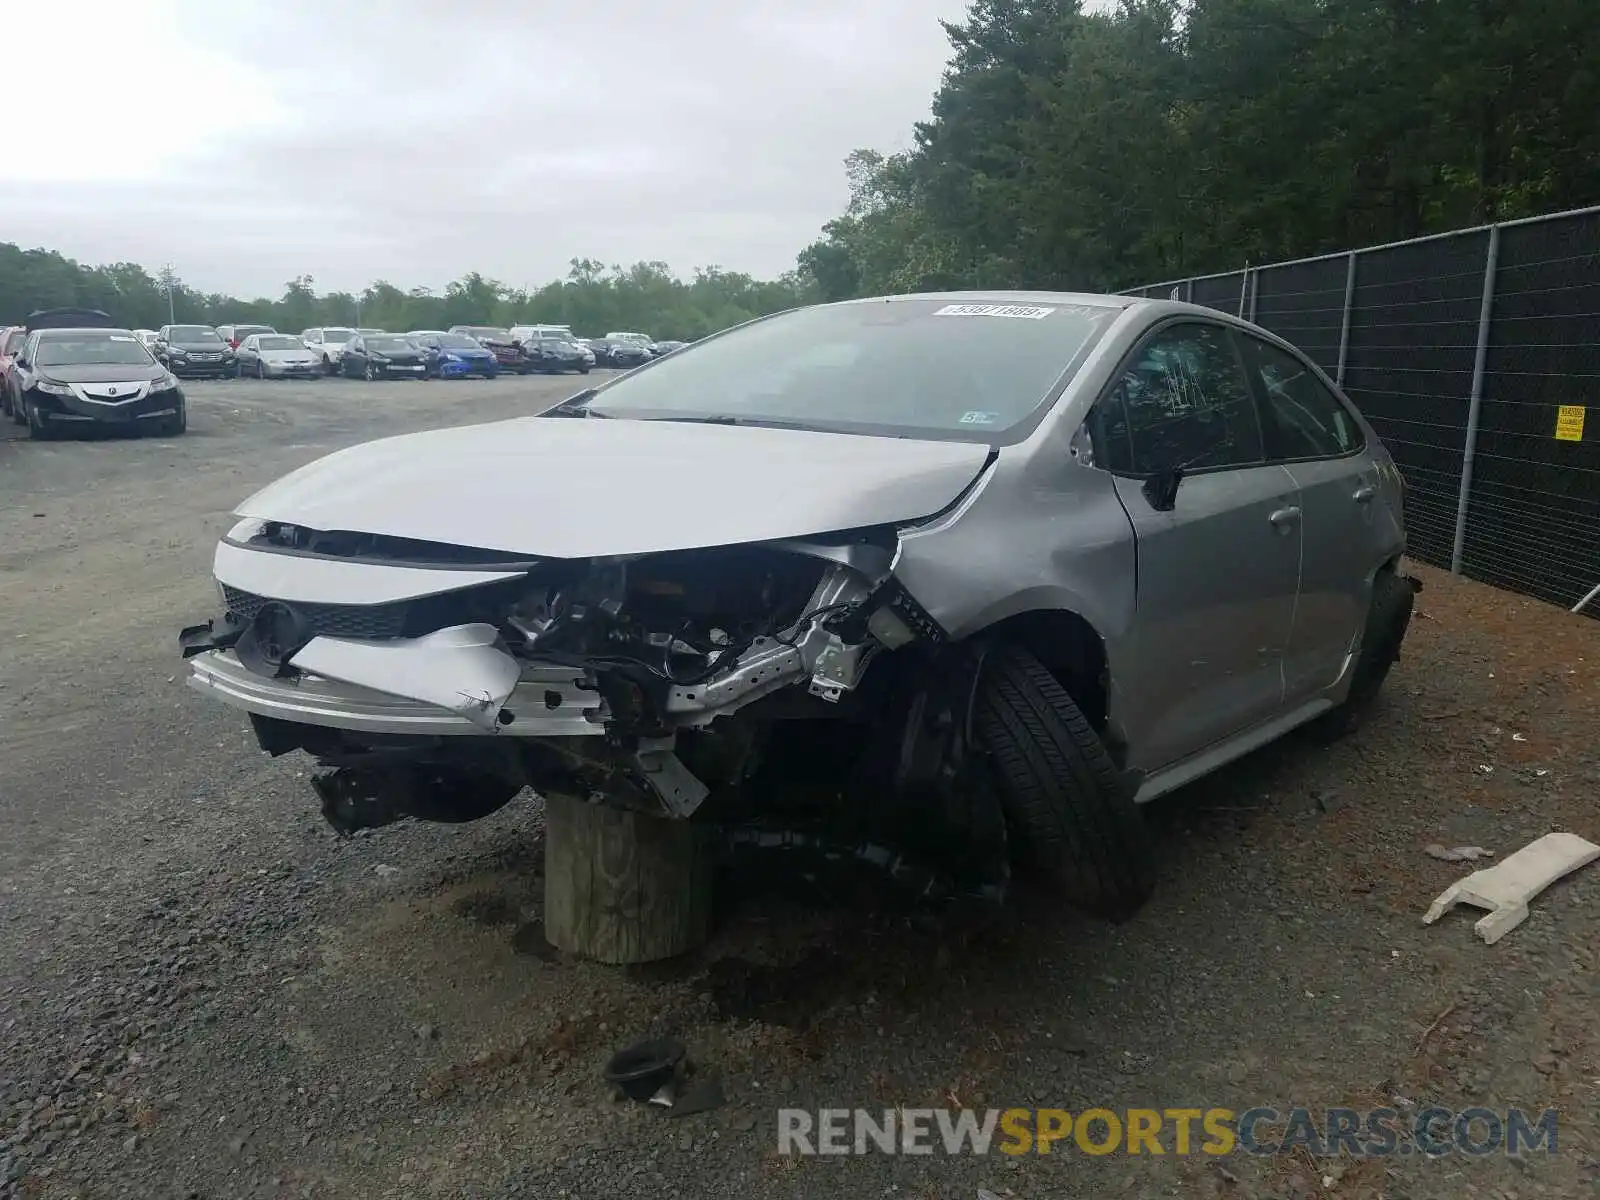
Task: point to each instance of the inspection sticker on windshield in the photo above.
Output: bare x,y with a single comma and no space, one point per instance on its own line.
1028,312
979,418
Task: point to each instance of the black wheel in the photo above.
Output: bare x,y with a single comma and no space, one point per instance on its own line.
1068,807
583,370
14,407
1388,618
175,424
40,428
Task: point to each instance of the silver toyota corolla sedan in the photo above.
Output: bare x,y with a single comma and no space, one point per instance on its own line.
985,571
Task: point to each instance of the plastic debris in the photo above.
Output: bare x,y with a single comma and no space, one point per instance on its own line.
1456,853
1506,888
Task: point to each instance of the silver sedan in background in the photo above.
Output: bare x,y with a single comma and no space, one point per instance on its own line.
276,356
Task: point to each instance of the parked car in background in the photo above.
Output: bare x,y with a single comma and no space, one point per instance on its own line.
554,355
364,330
66,378
662,348
149,337
382,356
506,351
11,339
327,343
642,339
235,334
610,352
455,355
276,356
193,351
521,333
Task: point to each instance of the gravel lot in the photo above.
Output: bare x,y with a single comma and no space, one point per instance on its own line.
204,993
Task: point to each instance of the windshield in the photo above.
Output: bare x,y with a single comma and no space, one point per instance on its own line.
280,342
243,331
91,349
628,337
972,370
455,341
337,335
192,333
390,345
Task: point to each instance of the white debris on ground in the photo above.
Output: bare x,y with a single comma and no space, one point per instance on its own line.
1506,888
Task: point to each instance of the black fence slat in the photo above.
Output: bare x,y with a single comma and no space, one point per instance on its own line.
1533,518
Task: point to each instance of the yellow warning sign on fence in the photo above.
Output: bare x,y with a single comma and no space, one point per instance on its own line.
1569,423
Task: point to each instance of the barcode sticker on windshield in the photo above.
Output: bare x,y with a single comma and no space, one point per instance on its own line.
121,337
1028,312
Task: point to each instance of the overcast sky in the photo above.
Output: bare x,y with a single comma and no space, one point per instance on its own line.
414,140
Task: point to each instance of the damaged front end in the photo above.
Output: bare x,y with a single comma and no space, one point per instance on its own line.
655,681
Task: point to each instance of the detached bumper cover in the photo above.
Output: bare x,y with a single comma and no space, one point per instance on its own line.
542,701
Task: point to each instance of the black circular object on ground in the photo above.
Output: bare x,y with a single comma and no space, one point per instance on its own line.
640,1070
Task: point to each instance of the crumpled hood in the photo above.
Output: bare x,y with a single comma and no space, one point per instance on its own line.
581,487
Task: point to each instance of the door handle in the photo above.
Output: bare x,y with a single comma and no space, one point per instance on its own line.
1285,517
1364,493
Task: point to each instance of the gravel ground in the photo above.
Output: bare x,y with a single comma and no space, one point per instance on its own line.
204,993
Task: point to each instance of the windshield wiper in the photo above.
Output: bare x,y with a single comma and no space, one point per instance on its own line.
746,422
577,405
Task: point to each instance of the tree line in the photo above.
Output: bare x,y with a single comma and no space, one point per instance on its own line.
593,299
1080,149
1100,150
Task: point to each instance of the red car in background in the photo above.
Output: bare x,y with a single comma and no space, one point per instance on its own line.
508,356
11,339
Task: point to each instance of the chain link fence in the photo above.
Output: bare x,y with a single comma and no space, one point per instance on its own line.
1476,356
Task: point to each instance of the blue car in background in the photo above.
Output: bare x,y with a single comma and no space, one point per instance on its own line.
454,355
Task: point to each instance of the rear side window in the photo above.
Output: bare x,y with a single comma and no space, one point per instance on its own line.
14,341
1305,419
1183,402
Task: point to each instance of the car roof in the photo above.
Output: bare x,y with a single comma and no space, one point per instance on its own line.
68,331
1100,299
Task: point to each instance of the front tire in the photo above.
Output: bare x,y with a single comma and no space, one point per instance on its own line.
1068,806
176,424
40,428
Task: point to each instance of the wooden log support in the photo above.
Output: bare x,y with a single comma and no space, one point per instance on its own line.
623,886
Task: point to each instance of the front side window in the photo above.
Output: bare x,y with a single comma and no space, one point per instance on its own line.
1305,419
1183,404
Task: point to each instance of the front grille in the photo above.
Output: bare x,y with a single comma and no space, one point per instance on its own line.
330,620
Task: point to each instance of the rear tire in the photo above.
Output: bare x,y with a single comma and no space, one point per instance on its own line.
1388,618
1069,809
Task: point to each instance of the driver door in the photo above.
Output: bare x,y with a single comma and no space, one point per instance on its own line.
1218,555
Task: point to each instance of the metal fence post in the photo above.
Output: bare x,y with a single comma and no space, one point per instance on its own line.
1344,321
1188,290
1475,405
1255,287
1244,289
